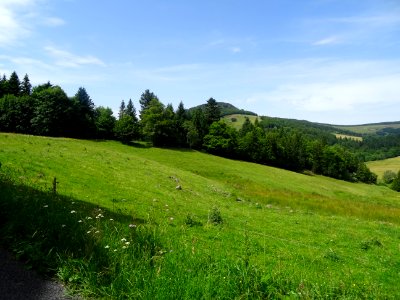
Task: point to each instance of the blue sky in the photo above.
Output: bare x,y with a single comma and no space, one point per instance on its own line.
328,61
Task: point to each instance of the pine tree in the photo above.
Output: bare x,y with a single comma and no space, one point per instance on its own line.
26,87
212,111
145,100
3,86
84,115
131,111
181,113
122,109
14,85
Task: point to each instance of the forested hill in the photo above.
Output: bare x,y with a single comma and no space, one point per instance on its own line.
225,109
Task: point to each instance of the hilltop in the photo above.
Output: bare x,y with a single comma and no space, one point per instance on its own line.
193,225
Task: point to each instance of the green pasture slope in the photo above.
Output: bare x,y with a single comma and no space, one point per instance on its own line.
237,120
135,222
380,166
369,128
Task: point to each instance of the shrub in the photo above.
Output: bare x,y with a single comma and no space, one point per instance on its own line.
215,216
396,183
388,176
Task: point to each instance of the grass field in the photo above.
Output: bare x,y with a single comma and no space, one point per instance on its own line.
239,120
380,166
120,227
368,128
351,137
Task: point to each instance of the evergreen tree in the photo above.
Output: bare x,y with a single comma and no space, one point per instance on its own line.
26,87
181,118
14,85
3,86
130,110
212,111
122,109
181,113
246,127
145,100
83,115
126,127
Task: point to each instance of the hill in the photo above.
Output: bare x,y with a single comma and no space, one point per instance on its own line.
373,128
130,221
226,109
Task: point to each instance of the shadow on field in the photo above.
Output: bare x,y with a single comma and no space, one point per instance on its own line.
58,235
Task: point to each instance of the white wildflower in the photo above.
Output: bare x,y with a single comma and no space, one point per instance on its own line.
45,206
123,240
73,212
107,247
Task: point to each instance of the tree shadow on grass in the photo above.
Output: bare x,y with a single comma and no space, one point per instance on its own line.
65,237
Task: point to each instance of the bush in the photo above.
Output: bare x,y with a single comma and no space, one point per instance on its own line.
396,183
388,176
215,216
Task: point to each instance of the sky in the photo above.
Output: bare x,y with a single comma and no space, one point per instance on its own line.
328,61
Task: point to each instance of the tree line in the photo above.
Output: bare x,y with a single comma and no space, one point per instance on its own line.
47,110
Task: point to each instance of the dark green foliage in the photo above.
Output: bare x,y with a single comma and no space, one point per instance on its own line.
105,122
145,100
126,128
52,113
3,86
14,85
26,87
212,112
122,109
130,110
16,113
221,139
226,109
396,183
83,115
214,216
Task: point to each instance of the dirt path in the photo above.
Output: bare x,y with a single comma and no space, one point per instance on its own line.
16,282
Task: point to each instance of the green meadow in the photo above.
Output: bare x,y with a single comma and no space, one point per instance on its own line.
237,120
380,166
133,222
369,128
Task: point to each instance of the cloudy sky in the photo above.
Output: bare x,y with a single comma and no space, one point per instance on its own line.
331,61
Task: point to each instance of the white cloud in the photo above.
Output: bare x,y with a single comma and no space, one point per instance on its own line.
53,21
12,26
329,88
66,59
327,41
18,19
236,49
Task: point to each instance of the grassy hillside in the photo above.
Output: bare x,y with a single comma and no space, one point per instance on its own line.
283,233
380,166
369,128
237,120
